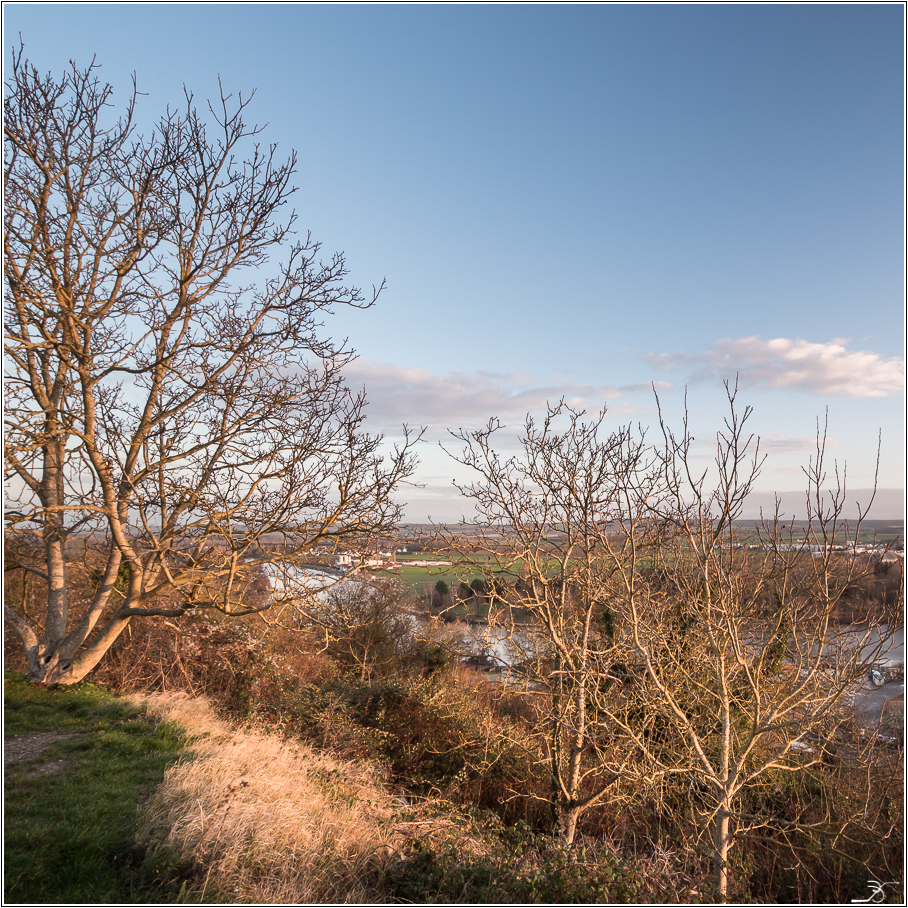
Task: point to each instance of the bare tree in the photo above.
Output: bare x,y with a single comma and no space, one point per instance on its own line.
542,517
666,639
168,388
744,659
362,622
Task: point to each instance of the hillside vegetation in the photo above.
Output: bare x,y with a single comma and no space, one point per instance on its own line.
275,772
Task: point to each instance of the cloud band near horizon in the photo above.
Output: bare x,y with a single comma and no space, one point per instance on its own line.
420,397
799,365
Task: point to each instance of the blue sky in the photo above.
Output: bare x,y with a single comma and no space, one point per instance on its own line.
578,201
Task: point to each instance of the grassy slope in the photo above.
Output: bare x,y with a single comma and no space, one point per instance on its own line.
264,819
70,834
113,813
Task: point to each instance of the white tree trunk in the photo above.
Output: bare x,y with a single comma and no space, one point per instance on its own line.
721,844
568,823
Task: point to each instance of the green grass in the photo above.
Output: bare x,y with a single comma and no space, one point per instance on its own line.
416,575
70,833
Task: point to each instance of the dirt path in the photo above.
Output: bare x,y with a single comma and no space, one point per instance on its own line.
19,748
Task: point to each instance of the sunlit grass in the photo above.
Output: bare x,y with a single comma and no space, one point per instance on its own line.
266,820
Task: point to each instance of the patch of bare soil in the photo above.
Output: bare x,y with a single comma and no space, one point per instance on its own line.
20,748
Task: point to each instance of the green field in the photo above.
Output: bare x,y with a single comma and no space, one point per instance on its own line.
420,577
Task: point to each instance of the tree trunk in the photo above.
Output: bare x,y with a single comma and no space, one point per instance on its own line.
51,496
721,844
568,822
575,759
43,656
53,665
89,657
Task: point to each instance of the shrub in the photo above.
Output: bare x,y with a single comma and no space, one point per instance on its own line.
523,867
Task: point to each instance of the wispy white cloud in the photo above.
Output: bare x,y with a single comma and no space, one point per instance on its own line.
829,368
420,397
771,445
792,444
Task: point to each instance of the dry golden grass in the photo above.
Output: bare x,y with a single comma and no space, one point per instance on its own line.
265,820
